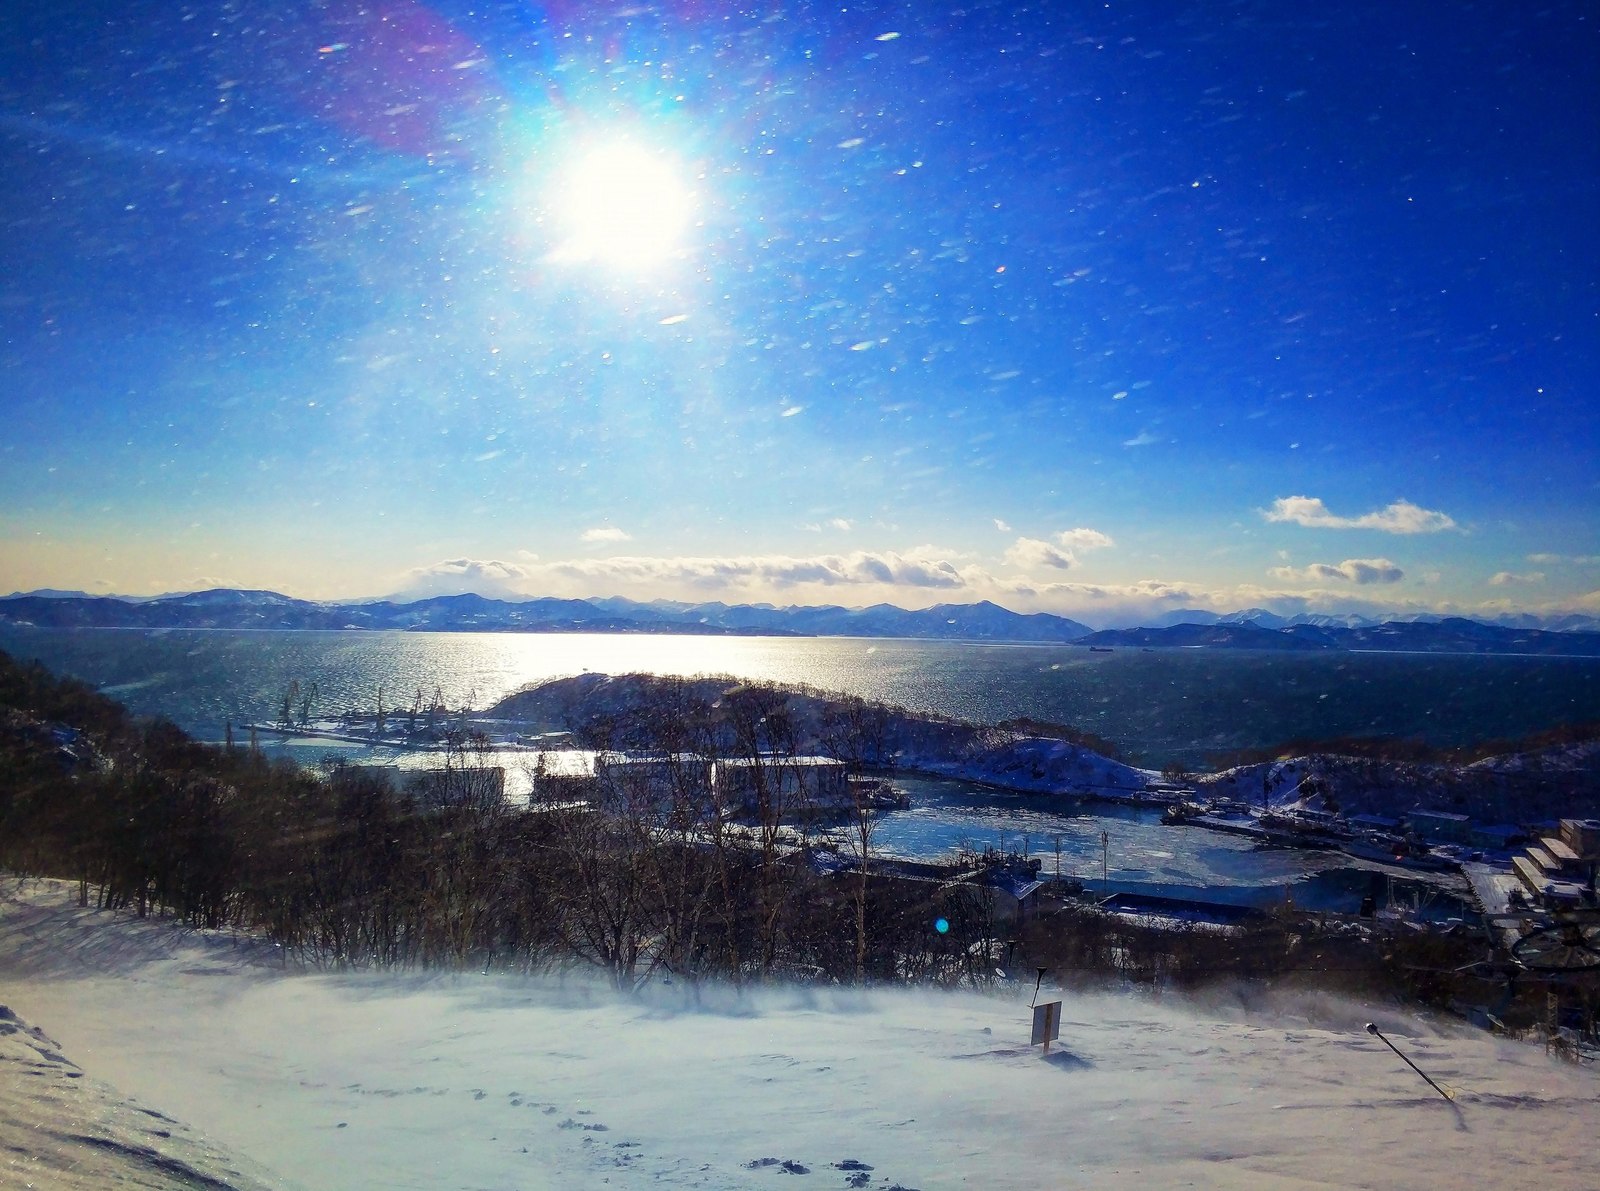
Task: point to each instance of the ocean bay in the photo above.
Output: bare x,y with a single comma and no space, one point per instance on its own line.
1158,705
1155,706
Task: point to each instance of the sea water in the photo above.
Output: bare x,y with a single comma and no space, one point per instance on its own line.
1157,706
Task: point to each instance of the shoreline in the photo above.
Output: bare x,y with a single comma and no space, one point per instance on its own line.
767,634
1087,797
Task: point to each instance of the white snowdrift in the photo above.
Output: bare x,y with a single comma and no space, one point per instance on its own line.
64,1131
346,1081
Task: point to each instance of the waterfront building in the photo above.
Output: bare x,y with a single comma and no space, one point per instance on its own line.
1441,827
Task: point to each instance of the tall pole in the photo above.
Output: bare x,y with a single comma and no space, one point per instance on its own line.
1105,864
1378,1034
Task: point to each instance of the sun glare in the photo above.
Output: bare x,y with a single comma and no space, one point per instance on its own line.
621,204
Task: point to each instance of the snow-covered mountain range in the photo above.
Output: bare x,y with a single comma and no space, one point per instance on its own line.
227,608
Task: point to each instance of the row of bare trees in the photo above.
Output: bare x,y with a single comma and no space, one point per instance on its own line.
645,869
672,869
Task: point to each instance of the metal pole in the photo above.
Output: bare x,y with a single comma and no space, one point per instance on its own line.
1377,1033
1105,864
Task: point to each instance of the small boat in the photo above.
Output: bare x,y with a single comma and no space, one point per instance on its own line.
1099,649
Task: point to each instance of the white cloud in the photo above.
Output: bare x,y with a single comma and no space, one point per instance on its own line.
1400,517
1352,570
1084,539
1031,553
456,576
606,533
1001,526
1143,439
1506,578
1581,560
841,524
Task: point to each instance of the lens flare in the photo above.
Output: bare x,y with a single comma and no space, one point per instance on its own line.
621,204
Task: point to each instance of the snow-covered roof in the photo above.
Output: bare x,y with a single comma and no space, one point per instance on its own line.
1017,885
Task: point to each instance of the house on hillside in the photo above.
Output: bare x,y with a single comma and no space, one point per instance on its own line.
1013,891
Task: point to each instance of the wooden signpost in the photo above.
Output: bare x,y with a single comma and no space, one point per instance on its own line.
1046,1024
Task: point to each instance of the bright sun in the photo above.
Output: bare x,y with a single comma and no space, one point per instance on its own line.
622,205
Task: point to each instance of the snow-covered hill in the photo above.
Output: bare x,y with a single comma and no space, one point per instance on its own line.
1016,756
1563,780
463,1081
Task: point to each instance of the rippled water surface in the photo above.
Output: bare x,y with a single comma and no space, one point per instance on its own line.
1157,705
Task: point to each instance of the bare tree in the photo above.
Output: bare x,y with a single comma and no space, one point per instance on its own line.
593,866
853,731
762,764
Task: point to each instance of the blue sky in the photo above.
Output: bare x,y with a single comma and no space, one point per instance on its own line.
1097,309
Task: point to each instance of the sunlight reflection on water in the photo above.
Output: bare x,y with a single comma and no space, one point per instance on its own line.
1157,705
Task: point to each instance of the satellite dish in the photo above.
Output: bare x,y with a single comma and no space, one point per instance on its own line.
1565,947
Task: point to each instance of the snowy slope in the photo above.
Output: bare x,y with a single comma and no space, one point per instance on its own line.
64,1131
339,1081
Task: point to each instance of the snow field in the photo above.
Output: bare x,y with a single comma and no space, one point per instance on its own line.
470,1081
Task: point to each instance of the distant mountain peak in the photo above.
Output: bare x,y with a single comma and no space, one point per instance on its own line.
984,620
